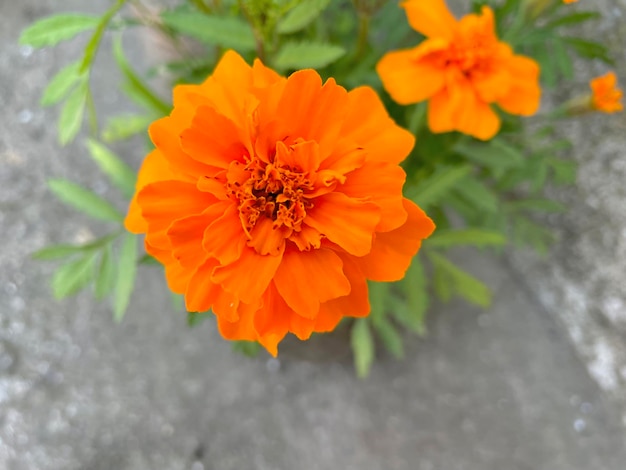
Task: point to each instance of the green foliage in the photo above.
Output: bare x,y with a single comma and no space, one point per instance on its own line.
54,29
84,200
125,278
247,348
301,16
62,83
120,174
125,126
73,276
362,342
226,31
302,55
431,190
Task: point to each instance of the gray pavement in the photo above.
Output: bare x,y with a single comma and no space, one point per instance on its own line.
497,390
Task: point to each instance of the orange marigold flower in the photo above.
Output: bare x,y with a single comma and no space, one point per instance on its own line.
569,1
606,95
272,200
461,68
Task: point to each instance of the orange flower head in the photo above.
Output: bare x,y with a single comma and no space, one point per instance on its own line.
272,200
606,96
462,69
569,1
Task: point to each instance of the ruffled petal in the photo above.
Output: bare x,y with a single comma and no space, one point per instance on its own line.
347,222
407,78
430,17
305,279
271,321
248,276
524,94
224,238
393,251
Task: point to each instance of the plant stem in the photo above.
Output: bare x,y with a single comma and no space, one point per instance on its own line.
364,27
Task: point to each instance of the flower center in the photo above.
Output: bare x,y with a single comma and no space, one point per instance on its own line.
269,190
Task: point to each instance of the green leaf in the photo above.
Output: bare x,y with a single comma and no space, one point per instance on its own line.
56,252
496,155
378,293
574,18
73,276
125,279
475,192
413,315
195,318
302,55
125,126
470,236
62,83
84,200
105,277
71,117
389,336
450,279
562,59
432,189
362,347
589,49
564,170
133,85
247,348
301,15
149,260
120,174
225,31
54,29
94,42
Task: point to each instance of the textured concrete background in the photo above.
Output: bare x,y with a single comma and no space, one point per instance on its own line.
497,390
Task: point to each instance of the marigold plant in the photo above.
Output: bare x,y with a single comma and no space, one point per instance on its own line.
462,69
277,201
271,201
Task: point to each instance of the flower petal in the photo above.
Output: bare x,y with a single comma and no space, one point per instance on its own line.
224,238
154,168
407,78
345,221
248,276
367,126
305,279
393,251
355,304
524,94
271,321
381,183
430,17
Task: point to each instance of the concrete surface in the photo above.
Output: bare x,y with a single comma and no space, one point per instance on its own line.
582,280
496,390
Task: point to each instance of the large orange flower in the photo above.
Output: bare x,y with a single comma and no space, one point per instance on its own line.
606,96
272,200
462,69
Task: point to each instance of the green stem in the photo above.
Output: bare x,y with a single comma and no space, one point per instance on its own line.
363,41
200,5
94,42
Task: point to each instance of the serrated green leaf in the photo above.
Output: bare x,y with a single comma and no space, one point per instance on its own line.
470,236
62,83
225,31
589,49
54,29
105,277
73,276
303,55
432,189
301,15
71,118
362,347
134,86
389,336
120,174
84,200
125,279
125,126
450,279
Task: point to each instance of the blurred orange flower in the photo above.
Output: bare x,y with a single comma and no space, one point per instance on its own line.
272,200
569,1
462,69
606,96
